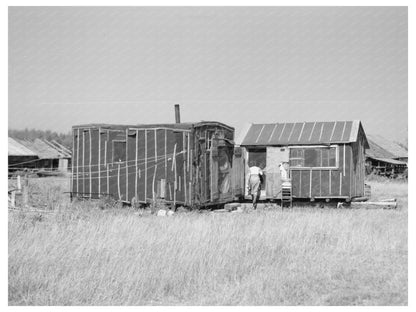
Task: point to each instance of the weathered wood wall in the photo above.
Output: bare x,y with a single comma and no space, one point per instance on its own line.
147,158
179,160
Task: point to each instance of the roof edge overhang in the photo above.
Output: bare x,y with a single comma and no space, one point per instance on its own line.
359,128
388,160
182,125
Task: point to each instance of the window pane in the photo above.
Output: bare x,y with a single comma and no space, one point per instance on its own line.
311,157
332,157
325,157
296,157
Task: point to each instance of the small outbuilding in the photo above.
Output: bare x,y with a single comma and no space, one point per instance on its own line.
187,164
323,160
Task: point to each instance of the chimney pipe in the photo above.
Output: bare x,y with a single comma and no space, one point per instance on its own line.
177,114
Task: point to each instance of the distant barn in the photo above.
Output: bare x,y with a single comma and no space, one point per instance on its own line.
385,157
183,163
326,159
19,156
38,156
52,156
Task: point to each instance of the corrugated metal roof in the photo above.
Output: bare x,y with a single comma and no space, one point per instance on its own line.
390,148
303,133
42,149
377,151
17,149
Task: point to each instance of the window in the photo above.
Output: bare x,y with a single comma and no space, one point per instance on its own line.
119,151
313,157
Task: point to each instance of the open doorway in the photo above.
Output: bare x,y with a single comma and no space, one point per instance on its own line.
257,157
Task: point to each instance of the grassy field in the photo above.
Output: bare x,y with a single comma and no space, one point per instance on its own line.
83,255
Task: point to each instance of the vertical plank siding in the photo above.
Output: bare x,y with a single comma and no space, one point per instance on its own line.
325,186
94,157
141,154
149,158
346,175
316,181
347,180
344,181
132,164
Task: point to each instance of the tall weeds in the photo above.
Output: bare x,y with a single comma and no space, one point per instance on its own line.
84,255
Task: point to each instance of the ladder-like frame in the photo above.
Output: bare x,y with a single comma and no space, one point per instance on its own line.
286,193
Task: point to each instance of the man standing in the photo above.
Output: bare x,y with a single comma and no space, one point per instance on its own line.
254,179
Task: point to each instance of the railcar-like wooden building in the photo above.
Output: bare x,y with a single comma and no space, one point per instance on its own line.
187,164
325,159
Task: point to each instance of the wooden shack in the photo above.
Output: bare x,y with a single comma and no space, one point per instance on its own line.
187,164
325,160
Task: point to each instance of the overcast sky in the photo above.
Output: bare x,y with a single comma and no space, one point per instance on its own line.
130,65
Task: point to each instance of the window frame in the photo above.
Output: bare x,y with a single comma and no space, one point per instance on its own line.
316,146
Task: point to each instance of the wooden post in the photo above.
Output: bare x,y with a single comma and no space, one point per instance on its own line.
166,158
13,199
26,192
118,181
154,172
90,159
77,162
175,175
127,164
185,155
106,162
99,162
145,165
83,163
137,150
71,189
162,190
19,185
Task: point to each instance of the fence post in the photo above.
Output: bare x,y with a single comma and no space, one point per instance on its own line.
26,192
13,199
19,185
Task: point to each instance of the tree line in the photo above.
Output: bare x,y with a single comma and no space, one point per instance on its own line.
31,134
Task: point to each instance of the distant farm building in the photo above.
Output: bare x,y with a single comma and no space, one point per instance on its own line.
40,156
19,156
183,163
385,157
324,160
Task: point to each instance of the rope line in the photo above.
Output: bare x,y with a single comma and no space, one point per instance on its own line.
81,177
112,163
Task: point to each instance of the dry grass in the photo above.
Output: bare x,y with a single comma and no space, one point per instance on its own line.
82,255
